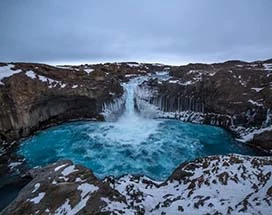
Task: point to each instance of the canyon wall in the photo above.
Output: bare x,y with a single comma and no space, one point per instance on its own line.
234,95
35,96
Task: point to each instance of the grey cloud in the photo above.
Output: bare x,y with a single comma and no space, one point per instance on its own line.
155,30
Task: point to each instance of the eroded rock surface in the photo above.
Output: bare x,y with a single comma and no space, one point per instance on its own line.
33,96
213,185
235,95
63,188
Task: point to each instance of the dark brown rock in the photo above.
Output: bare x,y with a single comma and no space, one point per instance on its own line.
52,95
63,186
234,95
263,141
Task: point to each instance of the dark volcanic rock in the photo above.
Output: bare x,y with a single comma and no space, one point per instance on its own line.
40,95
235,95
210,185
263,140
34,96
63,187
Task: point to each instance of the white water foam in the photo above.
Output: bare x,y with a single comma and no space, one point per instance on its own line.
130,128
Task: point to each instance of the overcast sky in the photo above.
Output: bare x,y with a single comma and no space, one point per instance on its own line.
166,31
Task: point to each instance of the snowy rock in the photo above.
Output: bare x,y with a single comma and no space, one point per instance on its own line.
222,94
36,96
7,71
231,184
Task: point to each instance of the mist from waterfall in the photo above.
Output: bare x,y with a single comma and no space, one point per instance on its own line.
131,127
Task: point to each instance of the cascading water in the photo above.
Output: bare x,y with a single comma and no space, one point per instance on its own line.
130,128
131,145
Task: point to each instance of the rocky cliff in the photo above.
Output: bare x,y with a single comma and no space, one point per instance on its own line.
33,96
235,95
213,185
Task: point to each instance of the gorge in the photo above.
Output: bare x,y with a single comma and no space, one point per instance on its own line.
131,145
144,160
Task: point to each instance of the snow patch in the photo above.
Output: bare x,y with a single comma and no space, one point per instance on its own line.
130,75
51,82
14,164
268,66
86,191
68,170
173,81
249,136
36,187
162,73
255,103
133,64
80,180
65,209
31,74
59,167
257,89
6,71
88,70
187,83
38,198
75,86
115,207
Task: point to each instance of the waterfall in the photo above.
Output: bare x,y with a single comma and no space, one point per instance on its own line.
123,106
141,100
134,100
129,102
130,127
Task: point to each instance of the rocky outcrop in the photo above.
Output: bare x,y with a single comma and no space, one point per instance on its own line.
213,185
123,70
34,96
263,140
235,95
63,188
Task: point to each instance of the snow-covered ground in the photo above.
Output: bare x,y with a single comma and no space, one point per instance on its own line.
223,184
6,71
231,184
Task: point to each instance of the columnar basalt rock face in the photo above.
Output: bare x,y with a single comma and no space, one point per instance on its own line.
37,95
234,95
33,96
213,185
